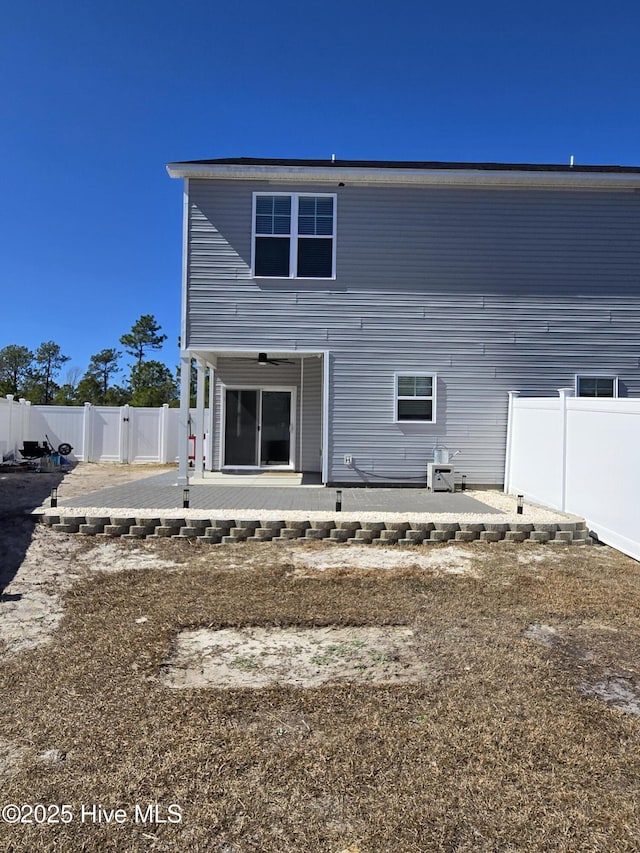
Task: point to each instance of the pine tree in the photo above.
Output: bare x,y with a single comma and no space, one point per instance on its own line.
143,335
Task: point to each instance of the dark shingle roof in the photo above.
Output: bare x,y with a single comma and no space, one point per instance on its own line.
408,164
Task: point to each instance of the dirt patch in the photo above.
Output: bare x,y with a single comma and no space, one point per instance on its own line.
590,648
619,693
10,757
449,559
302,657
112,557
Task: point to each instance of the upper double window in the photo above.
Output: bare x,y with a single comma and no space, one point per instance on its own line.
294,235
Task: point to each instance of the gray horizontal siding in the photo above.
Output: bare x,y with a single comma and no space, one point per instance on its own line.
494,290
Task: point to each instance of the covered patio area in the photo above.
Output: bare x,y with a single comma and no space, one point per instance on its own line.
255,412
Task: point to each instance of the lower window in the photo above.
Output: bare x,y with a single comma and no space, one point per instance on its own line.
596,386
415,397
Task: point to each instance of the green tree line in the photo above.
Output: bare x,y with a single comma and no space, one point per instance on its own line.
36,375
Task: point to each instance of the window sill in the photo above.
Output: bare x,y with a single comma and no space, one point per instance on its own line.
290,278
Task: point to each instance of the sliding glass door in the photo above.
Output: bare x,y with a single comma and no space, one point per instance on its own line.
258,427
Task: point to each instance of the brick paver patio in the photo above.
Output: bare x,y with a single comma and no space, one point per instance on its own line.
161,492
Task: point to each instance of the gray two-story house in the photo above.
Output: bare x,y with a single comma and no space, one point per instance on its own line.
348,317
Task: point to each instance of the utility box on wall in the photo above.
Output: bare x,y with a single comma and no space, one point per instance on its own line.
440,477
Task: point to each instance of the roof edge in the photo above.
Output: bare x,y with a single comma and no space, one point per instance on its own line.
383,172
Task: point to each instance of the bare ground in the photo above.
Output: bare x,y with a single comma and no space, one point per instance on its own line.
520,731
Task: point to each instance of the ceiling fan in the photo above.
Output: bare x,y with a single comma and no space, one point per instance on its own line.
263,359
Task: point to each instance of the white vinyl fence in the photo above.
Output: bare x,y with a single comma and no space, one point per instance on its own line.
582,456
96,433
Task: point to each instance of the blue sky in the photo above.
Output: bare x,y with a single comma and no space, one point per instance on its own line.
98,97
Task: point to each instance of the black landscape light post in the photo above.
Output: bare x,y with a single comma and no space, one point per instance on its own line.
185,498
54,497
519,505
338,500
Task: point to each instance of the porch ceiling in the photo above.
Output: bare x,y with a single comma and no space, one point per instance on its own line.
211,355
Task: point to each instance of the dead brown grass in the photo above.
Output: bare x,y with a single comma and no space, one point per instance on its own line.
496,750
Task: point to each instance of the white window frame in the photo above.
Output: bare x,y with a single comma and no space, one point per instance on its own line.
610,376
294,236
433,396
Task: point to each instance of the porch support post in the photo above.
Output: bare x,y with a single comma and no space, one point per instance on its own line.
198,470
325,415
300,466
212,420
183,420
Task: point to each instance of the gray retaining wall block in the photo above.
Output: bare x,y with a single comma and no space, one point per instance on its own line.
373,526
546,528
366,534
188,532
91,529
339,535
272,525
349,525
63,527
145,521
263,534
288,533
466,527
391,535
540,536
316,533
495,527
490,536
563,536
122,521
466,535
98,520
162,531
416,536
112,531
515,536
173,521
298,525
441,535
240,533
